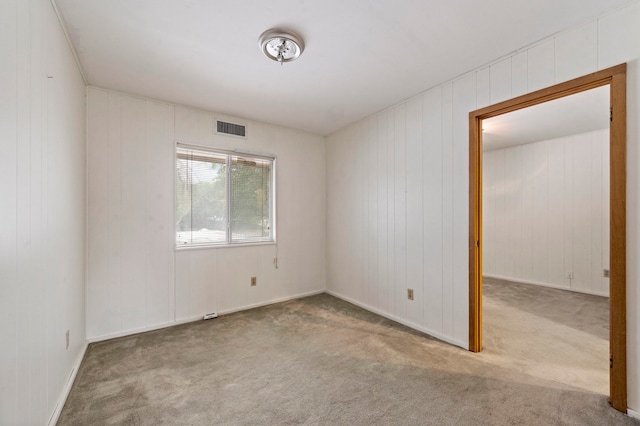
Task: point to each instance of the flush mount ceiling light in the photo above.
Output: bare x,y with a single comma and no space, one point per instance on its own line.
281,45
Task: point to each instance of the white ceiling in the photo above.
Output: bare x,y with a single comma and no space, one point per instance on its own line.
571,115
361,56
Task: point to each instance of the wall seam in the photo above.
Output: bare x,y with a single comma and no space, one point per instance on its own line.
14,265
69,42
442,201
146,207
121,230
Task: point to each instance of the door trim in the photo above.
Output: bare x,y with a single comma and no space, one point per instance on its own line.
615,77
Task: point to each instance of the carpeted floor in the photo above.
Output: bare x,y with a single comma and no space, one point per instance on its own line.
320,360
552,334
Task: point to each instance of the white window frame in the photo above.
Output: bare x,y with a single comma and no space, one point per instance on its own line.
272,204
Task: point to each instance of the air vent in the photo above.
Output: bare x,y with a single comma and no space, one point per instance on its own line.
231,129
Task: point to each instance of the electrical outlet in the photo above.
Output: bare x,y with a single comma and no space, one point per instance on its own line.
605,273
570,275
254,281
410,293
67,340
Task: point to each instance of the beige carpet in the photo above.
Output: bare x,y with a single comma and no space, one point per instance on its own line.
320,360
555,335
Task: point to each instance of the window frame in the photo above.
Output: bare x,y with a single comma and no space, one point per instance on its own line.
229,242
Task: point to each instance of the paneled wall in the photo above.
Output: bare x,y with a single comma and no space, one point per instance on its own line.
395,212
546,212
42,189
136,278
397,184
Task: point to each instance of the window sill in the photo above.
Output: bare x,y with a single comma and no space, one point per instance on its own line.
225,246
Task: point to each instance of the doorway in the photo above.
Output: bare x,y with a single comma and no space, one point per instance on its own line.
615,77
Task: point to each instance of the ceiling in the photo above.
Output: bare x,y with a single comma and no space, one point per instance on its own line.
571,115
361,56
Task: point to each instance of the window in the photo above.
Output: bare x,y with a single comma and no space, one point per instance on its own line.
223,197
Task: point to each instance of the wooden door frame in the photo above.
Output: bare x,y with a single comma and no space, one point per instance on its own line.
615,77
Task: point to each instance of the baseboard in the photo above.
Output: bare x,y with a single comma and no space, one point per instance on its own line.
67,387
135,331
633,414
271,302
198,317
559,287
432,333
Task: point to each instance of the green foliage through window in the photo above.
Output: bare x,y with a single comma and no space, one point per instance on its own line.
222,198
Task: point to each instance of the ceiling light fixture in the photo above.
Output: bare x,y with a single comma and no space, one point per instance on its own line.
281,45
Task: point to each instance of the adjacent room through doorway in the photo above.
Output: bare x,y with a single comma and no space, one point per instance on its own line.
545,216
615,78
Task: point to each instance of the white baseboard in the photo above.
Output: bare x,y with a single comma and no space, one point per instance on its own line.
67,387
135,331
559,287
464,345
197,318
270,302
633,414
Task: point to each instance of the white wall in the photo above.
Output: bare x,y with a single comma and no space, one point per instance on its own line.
397,214
546,212
42,237
397,184
137,280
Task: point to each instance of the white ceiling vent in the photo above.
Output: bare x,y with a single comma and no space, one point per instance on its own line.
226,128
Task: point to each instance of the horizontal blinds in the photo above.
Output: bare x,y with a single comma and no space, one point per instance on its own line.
250,199
222,198
201,201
